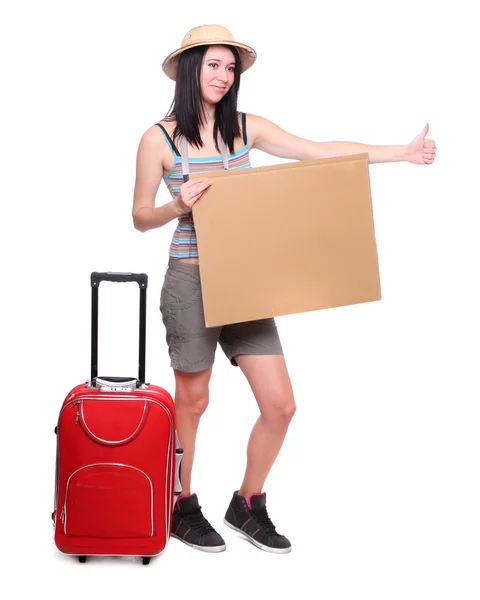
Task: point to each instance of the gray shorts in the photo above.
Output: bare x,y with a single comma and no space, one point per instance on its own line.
191,345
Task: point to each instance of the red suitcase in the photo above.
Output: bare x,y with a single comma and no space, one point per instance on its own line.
118,459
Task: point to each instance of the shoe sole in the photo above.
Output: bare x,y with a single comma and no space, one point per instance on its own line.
258,544
210,549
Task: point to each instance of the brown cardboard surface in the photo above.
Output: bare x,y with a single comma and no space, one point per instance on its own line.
286,239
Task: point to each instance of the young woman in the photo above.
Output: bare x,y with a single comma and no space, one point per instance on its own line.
204,132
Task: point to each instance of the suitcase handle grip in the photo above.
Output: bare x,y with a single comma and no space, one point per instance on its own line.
140,278
115,384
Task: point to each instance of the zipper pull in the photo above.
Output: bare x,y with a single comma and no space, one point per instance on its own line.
62,516
77,417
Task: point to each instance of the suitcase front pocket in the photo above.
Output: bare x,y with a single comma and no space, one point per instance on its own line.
108,500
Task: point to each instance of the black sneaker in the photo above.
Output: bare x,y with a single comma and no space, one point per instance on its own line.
191,527
251,519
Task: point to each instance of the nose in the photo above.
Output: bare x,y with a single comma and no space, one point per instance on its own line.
222,75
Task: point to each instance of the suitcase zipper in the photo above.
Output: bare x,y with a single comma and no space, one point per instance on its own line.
142,399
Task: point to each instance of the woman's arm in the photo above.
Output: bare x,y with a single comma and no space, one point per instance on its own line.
148,178
270,138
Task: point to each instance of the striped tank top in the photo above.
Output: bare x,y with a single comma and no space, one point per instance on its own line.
184,241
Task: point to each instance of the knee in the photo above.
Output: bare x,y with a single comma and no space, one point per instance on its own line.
193,402
191,394
289,410
281,413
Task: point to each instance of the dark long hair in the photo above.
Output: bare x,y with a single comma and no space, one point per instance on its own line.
187,107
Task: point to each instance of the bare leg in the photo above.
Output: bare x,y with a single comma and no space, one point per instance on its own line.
270,383
191,401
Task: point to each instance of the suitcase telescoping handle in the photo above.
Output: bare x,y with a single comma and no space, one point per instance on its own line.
142,280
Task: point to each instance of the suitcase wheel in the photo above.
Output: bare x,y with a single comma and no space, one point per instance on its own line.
82,559
146,560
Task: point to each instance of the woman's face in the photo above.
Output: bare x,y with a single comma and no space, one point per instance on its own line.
217,73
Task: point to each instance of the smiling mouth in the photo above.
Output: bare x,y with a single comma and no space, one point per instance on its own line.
219,88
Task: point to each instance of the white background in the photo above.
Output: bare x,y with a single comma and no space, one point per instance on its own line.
377,483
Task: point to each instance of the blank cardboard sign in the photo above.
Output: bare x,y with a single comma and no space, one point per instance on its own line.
286,239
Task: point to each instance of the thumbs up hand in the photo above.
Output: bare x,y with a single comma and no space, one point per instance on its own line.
421,151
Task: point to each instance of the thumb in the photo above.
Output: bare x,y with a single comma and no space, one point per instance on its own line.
425,131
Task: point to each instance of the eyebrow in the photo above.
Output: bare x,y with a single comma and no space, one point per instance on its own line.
219,60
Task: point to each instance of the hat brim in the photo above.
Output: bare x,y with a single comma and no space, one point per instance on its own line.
247,56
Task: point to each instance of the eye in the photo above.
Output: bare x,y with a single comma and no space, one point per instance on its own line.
213,64
232,69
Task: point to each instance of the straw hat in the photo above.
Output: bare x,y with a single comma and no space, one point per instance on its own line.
208,35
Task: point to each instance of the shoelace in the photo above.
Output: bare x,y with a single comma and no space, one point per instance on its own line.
262,518
197,521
